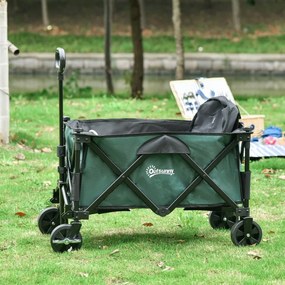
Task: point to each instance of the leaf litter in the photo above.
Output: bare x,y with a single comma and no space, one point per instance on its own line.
164,267
255,254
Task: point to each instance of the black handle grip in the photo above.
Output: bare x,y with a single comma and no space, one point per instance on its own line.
60,60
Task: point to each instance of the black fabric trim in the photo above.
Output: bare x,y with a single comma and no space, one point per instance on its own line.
107,127
126,127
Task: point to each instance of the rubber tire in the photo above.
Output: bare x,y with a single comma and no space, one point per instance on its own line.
59,234
222,220
240,238
48,220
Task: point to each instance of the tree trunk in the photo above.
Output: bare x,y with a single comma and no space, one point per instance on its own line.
236,15
107,44
138,69
45,13
143,18
176,19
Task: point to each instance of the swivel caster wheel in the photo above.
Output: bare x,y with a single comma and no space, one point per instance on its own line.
246,234
62,240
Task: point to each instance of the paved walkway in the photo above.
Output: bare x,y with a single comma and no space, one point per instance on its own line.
195,63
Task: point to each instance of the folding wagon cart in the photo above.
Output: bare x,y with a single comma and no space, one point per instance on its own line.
108,165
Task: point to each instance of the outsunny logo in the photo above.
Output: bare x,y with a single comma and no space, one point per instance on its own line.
152,171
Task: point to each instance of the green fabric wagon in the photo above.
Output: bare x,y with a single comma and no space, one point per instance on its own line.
131,163
108,165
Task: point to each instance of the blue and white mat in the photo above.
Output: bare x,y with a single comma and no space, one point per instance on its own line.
259,150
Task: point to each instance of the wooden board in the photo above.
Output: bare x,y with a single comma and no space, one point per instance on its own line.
190,94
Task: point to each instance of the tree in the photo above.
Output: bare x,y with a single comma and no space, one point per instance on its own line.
45,13
236,15
107,44
176,19
143,18
138,68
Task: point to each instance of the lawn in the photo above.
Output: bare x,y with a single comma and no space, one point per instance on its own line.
128,248
36,42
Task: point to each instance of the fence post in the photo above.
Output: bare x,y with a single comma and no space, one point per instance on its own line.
4,75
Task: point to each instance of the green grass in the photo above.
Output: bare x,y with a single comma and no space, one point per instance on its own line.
117,249
29,42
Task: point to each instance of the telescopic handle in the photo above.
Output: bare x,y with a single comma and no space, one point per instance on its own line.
60,66
60,60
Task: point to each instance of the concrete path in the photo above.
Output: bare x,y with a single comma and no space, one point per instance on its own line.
202,64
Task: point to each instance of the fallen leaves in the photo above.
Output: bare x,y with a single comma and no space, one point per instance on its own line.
282,177
46,184
83,274
20,214
116,251
6,245
46,150
44,131
268,172
104,247
12,177
164,267
117,281
20,156
255,254
148,224
199,236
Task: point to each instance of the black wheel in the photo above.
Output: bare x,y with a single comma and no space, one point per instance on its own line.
61,240
48,220
241,236
222,220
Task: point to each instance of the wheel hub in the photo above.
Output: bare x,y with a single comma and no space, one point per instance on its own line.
66,241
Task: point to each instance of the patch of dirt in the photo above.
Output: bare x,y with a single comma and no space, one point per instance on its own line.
85,17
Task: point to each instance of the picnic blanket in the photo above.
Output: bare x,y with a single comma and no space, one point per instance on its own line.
260,150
